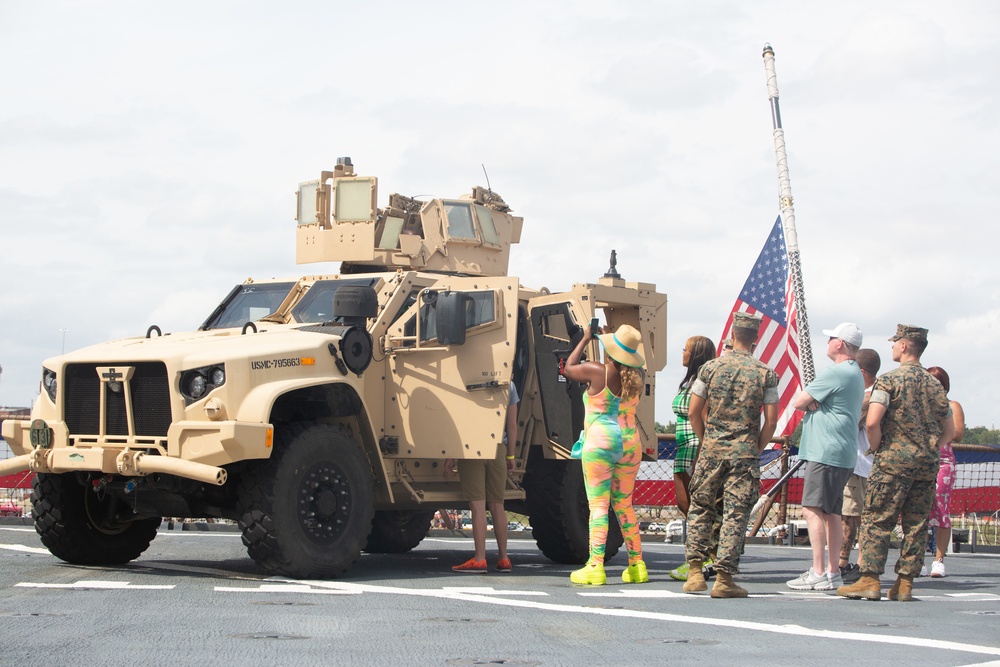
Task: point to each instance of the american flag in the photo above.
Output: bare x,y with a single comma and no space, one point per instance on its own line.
768,293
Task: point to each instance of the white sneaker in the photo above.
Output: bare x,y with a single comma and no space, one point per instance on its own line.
807,581
831,582
923,571
937,569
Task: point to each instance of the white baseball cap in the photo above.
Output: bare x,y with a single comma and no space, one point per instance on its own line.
847,332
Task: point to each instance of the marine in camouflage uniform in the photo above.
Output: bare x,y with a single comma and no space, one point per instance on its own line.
735,388
908,415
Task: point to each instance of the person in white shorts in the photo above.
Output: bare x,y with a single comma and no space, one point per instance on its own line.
854,492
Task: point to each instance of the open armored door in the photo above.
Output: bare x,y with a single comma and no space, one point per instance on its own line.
557,322
445,397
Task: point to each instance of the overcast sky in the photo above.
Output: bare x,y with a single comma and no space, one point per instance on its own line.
149,154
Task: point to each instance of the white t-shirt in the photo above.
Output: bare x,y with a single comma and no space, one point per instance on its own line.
863,467
513,400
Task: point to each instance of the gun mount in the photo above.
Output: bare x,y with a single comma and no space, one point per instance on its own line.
339,220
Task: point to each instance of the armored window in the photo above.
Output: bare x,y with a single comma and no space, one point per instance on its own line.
355,199
317,304
480,314
488,227
460,224
247,303
308,204
554,326
480,310
391,228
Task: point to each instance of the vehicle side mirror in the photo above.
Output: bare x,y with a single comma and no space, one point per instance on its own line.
451,309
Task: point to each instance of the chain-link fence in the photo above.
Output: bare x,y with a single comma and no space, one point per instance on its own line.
975,504
655,501
14,494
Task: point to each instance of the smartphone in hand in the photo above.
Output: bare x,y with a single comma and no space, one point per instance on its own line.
595,328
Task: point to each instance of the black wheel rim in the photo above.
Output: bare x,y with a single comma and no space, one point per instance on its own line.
324,502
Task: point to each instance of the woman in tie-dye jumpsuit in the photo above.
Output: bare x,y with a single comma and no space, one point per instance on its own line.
611,447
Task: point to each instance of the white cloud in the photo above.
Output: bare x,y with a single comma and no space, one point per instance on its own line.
150,153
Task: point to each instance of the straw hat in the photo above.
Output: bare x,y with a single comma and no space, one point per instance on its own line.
623,346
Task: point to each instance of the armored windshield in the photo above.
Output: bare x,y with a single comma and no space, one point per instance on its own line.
317,304
247,303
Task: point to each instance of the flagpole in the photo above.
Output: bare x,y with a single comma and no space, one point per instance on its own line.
788,221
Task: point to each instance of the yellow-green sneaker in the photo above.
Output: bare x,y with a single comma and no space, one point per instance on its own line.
591,574
680,573
635,573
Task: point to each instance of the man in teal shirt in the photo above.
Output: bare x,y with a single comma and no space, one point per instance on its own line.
832,403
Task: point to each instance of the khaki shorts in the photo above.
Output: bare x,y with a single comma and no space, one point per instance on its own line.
854,495
482,479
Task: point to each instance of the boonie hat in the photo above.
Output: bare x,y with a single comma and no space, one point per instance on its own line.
623,346
909,331
847,332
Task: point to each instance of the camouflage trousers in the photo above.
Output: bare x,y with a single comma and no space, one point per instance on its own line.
892,497
738,480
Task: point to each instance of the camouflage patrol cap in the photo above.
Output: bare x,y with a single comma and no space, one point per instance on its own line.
909,331
746,321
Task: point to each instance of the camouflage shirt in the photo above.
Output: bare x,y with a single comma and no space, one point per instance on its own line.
735,387
916,407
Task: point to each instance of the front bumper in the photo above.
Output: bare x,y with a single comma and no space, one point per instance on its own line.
194,450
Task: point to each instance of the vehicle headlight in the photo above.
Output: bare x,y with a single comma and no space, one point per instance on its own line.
198,382
50,383
196,385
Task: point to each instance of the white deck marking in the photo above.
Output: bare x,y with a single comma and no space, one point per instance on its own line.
200,533
173,567
104,585
791,595
284,588
967,597
490,596
790,629
487,590
638,594
21,547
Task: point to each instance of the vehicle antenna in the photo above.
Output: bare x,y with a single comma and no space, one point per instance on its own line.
487,179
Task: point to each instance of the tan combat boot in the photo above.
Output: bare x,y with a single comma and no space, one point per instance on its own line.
902,590
725,588
867,587
696,580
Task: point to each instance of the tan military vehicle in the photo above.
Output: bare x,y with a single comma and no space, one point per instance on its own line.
318,412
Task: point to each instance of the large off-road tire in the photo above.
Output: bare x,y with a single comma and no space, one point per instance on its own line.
86,528
557,505
398,531
307,511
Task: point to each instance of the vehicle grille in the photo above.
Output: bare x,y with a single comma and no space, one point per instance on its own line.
149,391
